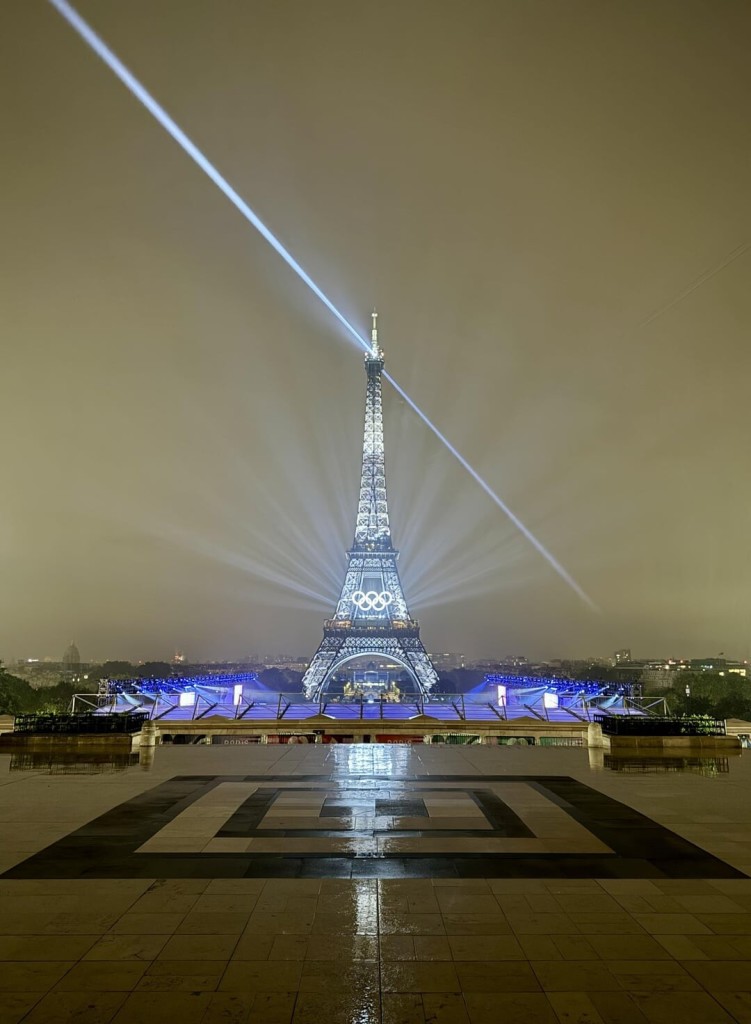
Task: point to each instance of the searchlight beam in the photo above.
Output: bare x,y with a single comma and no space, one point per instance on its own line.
100,48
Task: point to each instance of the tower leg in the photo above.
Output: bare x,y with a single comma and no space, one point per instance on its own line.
335,651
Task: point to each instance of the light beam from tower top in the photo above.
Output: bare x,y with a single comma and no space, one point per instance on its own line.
157,111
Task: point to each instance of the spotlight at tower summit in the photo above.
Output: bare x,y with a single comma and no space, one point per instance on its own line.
100,48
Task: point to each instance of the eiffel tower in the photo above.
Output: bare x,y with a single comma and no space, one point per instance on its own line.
371,616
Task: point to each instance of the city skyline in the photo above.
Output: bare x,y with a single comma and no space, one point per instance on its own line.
183,423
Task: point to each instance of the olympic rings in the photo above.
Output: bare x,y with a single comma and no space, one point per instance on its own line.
372,601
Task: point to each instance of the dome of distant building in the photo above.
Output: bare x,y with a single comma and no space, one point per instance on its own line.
71,658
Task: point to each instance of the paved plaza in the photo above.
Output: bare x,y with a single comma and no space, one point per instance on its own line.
368,883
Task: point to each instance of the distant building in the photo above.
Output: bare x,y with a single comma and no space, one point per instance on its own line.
71,659
444,662
623,655
719,665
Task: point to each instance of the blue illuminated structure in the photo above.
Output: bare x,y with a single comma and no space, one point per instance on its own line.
157,111
554,684
371,617
242,697
180,684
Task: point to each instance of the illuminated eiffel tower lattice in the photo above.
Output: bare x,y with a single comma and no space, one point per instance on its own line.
371,618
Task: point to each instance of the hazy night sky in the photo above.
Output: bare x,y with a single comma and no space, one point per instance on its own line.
519,186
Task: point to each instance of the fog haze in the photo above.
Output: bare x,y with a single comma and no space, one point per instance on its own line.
549,205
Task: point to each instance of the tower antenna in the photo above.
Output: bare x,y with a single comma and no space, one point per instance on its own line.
374,332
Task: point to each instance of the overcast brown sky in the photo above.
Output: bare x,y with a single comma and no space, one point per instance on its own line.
519,186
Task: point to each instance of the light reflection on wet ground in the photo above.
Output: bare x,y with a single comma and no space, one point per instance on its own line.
468,949
661,764
342,761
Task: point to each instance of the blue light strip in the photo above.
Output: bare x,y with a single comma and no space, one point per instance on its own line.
144,97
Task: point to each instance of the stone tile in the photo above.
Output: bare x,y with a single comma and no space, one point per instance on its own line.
347,885
652,976
111,904
199,947
324,976
572,947
721,975
709,904
509,1007
280,924
672,924
337,924
402,1008
733,887
78,924
411,924
542,924
81,1007
541,947
147,924
15,1005
606,924
501,976
586,902
684,947
418,976
727,924
340,1008
738,1005
214,903
342,947
741,943
283,947
161,902
629,886
262,976
476,924
32,975
102,976
516,886
458,902
235,887
185,1007
518,903
617,1008
394,889
182,976
444,1008
574,1008
213,924
397,947
270,902
628,947
584,975
684,886
356,898
571,886
686,1007
484,947
432,947
267,1008
127,947
293,887
45,947
230,1008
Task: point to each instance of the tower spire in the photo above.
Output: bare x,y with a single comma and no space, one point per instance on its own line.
371,617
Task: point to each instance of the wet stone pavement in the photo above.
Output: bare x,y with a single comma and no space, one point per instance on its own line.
375,883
